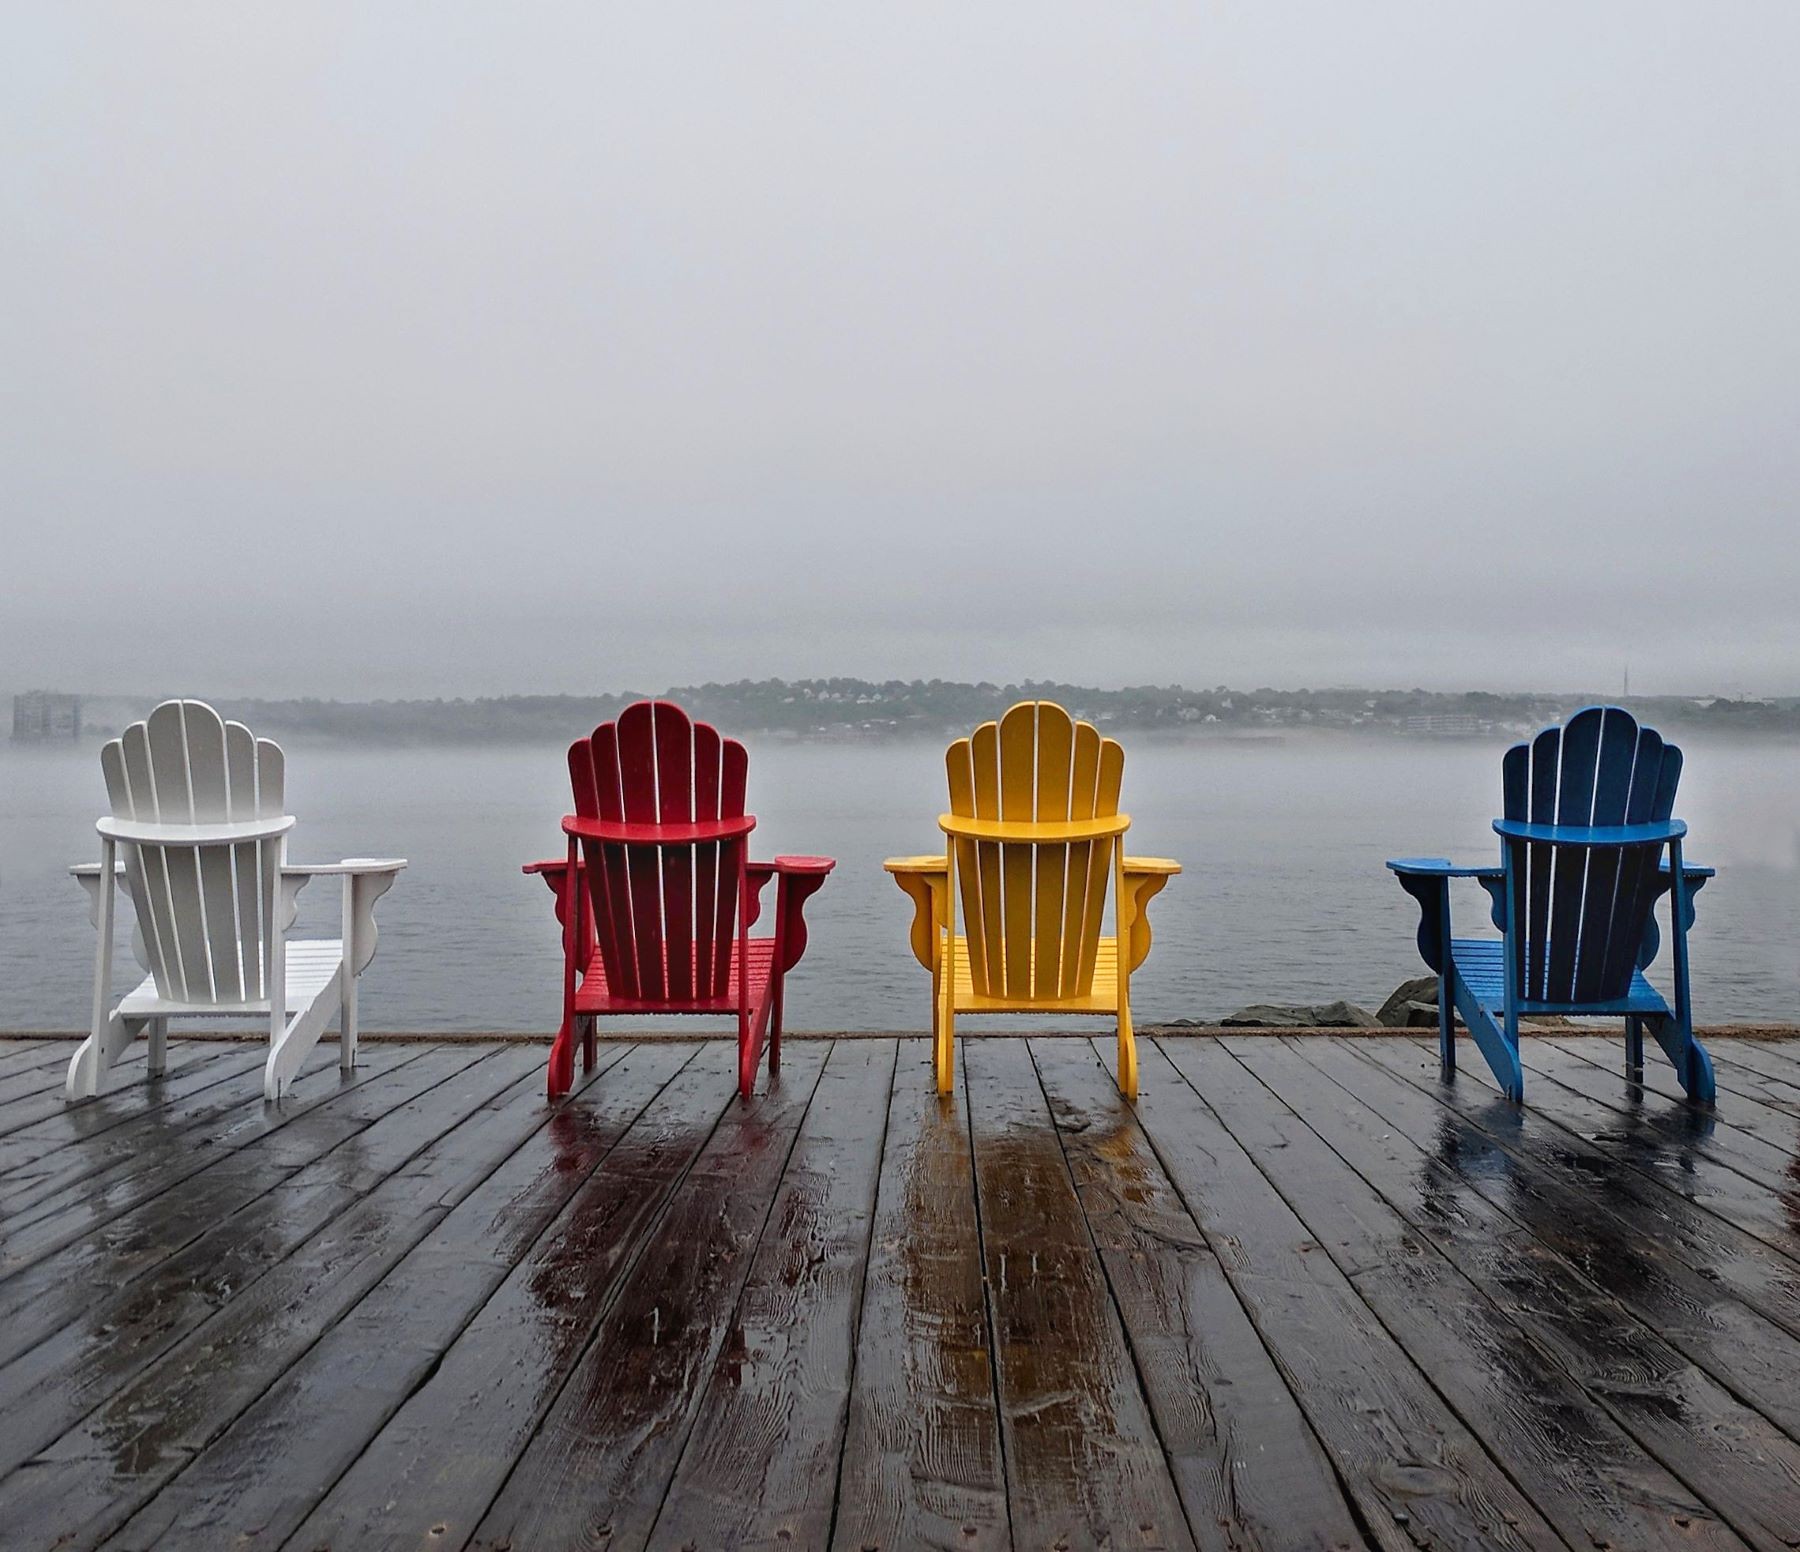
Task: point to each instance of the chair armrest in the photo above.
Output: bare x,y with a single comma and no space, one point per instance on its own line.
87,874
366,880
1694,877
1442,867
1145,878
797,880
1689,870
927,880
1166,866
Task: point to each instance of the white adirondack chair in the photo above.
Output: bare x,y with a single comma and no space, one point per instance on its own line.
198,839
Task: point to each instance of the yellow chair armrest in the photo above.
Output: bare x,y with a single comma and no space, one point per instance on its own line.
1144,880
927,881
935,863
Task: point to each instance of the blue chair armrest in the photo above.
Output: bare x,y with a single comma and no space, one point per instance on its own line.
1441,867
1689,870
1427,880
1694,877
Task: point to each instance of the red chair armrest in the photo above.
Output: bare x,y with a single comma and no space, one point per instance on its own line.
800,878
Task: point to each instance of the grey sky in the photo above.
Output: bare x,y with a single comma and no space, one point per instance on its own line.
459,348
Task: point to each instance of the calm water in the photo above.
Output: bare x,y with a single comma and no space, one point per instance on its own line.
1284,897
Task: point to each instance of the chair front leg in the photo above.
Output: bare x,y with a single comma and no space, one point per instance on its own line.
347,1011
561,1067
87,1068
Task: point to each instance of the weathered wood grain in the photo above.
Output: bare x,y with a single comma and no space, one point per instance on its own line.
214,1230
1716,1294
30,1126
500,1375
1084,1465
620,1420
921,1463
761,1463
1618,1462
256,1481
82,1485
168,1145
1419,1474
1249,1469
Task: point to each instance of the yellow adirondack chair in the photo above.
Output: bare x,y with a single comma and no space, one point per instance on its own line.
1033,836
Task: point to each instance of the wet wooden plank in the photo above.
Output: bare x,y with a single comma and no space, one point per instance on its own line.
921,1464
1084,1465
38,1122
18,1055
33,1071
1690,1150
619,1422
228,1209
1650,1452
81,1486
500,1375
255,1483
1758,1068
1416,1471
1718,1295
1248,1467
80,1170
1759,1139
761,1463
1778,1057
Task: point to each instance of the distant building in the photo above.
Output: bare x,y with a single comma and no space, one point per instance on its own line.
39,714
1446,725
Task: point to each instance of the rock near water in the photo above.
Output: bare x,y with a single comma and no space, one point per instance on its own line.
1301,1015
1413,1005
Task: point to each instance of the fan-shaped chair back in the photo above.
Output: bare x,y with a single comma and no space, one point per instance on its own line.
1032,910
201,909
1583,909
665,915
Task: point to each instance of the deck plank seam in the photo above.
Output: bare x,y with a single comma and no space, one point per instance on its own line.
161,1354
987,1305
626,1271
1787,1252
1721,1375
862,1288
550,1229
1475,1435
1112,1293
1520,1335
55,1248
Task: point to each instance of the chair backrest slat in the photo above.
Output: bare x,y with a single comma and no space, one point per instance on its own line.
200,909
1032,911
1582,909
664,916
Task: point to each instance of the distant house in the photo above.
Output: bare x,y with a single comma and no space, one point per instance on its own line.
40,714
1446,725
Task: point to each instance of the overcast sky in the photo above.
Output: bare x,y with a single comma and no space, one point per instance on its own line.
463,348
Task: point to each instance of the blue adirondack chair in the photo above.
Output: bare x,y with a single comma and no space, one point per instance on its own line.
1588,809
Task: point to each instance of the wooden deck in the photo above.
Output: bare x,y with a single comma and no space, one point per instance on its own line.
1302,1296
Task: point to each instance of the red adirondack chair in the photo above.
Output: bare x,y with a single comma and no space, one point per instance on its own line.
665,892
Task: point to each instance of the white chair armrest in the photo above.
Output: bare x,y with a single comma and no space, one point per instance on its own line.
359,866
366,880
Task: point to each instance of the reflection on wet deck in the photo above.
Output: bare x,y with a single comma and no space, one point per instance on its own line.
1302,1294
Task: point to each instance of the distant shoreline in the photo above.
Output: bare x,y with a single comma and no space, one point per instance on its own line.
854,711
